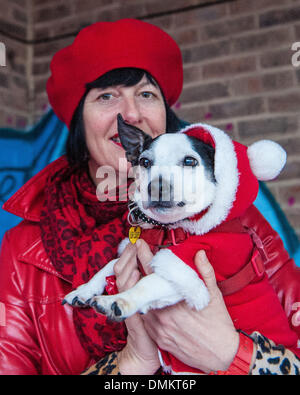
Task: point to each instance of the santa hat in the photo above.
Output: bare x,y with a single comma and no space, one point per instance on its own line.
237,171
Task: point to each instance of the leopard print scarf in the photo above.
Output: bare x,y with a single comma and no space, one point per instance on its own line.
81,235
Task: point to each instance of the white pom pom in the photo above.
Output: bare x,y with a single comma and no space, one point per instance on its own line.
267,159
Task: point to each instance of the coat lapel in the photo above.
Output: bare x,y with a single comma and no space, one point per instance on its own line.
36,255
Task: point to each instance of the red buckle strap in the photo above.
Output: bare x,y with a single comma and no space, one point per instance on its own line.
158,238
257,242
255,269
258,264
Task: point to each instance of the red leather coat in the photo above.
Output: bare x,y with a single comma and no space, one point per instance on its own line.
37,334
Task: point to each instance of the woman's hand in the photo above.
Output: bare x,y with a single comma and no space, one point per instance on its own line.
206,339
140,355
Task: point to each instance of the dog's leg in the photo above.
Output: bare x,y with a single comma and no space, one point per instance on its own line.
183,278
151,291
171,282
82,295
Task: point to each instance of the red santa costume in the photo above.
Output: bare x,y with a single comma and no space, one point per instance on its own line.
235,254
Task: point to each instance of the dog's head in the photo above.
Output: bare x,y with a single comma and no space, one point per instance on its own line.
174,173
198,170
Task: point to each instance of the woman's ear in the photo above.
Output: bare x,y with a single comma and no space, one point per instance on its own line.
132,139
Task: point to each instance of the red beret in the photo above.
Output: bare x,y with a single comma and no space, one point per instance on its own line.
105,46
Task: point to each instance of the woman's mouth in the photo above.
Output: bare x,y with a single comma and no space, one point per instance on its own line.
116,140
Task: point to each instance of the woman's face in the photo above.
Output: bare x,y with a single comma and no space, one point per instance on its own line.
141,105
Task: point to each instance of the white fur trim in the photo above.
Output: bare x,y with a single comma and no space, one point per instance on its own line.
227,178
168,369
267,159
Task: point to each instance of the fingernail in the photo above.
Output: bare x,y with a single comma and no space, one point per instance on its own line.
138,243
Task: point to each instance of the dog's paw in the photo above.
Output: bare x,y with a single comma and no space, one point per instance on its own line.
80,297
113,306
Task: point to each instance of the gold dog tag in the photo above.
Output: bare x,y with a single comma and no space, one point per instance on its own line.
134,234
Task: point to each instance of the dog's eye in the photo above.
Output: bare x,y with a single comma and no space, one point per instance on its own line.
144,162
189,161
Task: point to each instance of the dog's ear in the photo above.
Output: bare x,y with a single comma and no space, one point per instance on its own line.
132,139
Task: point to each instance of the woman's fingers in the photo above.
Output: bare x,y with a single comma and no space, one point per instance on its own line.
126,270
207,272
144,255
128,253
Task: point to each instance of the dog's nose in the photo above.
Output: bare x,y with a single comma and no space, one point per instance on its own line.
160,190
155,190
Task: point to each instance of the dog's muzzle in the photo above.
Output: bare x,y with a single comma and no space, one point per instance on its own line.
160,193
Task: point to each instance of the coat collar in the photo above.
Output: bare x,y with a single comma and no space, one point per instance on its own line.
36,255
27,202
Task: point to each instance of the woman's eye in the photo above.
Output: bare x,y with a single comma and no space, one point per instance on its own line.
105,96
147,95
146,163
189,161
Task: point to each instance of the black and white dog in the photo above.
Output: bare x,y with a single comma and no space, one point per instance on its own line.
179,176
176,181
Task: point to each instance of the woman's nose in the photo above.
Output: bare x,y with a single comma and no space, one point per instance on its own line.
131,112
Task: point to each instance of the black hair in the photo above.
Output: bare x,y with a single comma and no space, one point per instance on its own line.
76,148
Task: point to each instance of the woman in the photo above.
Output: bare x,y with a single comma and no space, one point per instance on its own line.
133,68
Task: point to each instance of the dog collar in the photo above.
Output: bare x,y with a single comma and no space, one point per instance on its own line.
137,214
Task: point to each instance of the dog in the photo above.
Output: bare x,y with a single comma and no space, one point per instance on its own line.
200,181
161,199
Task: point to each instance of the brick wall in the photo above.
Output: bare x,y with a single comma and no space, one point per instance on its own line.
14,76
237,65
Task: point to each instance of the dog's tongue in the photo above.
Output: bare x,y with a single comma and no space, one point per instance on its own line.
198,216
